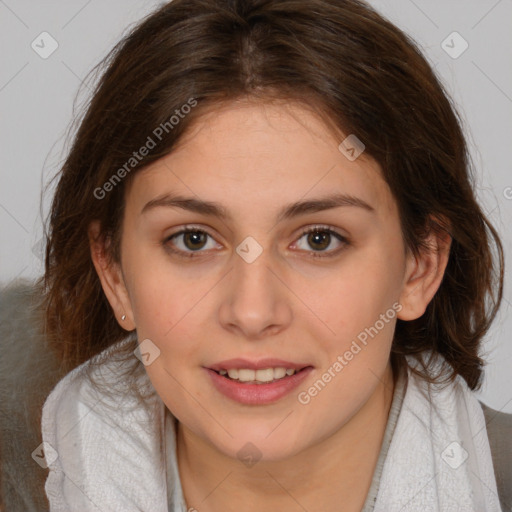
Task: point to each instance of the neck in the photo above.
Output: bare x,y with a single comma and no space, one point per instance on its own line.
337,470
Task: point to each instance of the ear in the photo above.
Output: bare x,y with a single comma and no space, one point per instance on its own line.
424,274
111,278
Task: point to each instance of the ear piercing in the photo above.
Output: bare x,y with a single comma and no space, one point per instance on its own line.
123,317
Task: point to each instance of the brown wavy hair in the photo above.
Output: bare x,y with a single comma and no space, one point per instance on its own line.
341,59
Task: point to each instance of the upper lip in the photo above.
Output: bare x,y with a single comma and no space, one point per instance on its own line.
261,364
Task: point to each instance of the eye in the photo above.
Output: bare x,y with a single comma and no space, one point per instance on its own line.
188,241
320,238
191,240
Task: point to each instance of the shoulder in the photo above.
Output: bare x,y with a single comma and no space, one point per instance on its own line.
499,425
499,432
100,438
72,410
100,390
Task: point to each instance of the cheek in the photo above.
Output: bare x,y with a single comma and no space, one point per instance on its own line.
168,308
357,295
169,317
171,320
361,311
162,301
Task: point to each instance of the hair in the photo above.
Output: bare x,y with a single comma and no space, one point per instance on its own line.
343,61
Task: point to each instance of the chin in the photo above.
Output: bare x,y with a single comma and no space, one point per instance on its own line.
256,445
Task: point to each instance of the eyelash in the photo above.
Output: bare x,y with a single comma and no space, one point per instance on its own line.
313,254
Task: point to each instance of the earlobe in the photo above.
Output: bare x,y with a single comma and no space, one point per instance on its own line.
111,278
424,274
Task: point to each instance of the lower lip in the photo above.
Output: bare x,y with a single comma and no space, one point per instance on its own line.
258,394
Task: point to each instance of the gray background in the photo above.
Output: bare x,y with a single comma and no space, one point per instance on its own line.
37,95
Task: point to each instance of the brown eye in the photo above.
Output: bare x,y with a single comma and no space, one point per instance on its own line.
187,242
320,239
194,240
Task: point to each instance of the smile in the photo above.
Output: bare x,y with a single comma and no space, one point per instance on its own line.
257,387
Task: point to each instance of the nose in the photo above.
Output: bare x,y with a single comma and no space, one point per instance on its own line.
256,301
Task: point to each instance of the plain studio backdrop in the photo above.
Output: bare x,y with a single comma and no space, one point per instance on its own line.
469,43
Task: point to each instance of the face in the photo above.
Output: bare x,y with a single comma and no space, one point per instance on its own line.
234,274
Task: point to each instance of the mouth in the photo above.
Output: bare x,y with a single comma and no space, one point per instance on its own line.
257,383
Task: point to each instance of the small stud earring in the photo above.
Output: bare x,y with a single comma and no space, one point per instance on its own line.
123,317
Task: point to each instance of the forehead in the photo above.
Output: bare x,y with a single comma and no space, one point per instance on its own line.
265,154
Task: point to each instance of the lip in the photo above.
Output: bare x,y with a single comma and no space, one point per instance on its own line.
257,394
257,365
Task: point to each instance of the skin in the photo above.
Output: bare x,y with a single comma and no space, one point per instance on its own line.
254,158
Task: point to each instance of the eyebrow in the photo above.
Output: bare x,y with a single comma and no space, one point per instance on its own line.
288,212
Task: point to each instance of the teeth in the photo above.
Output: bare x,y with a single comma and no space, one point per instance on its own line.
246,375
265,375
233,374
279,373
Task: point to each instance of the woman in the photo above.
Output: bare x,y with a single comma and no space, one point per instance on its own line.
268,273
